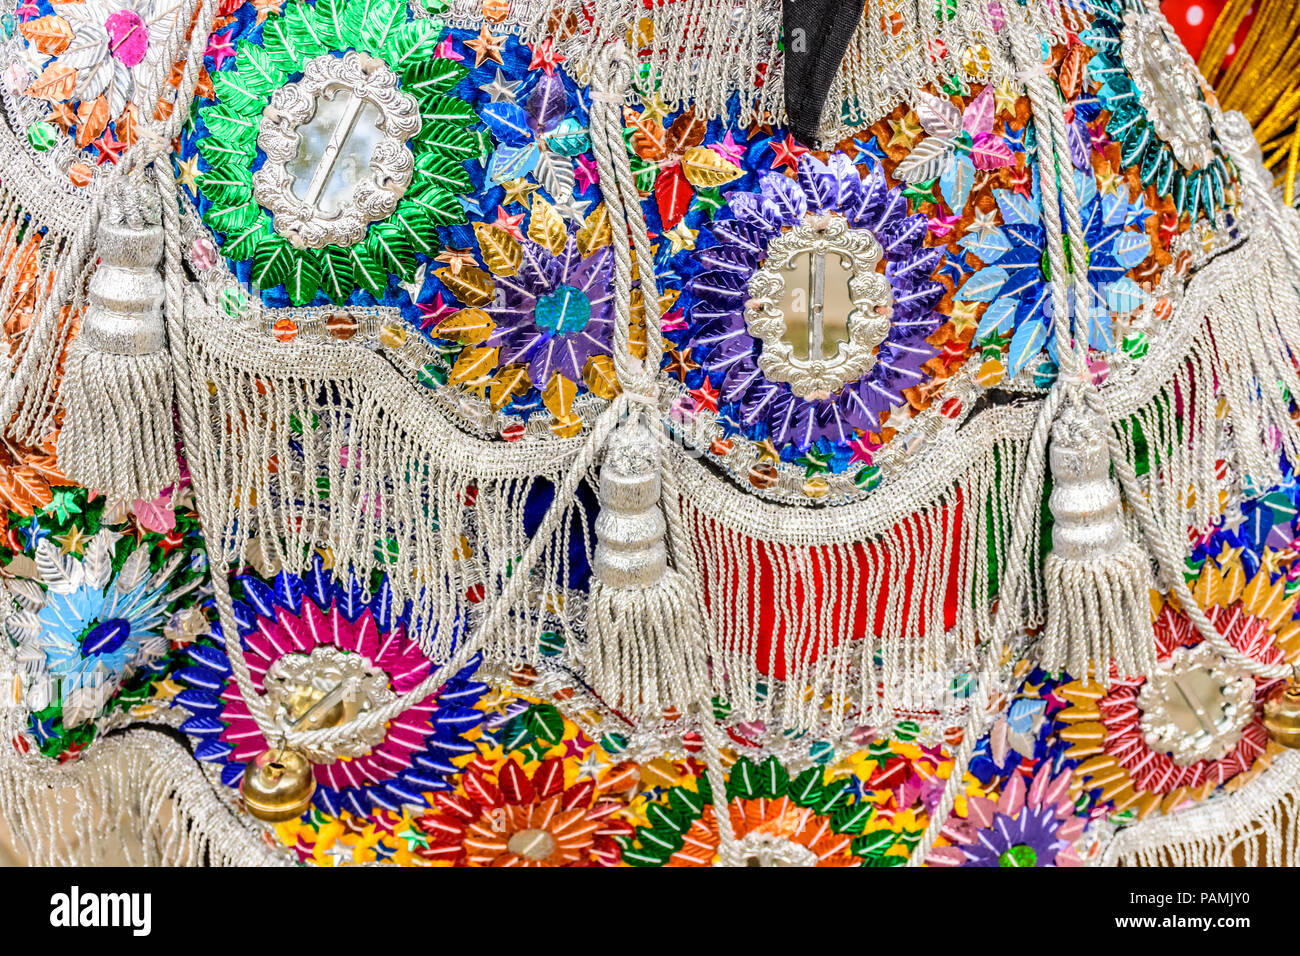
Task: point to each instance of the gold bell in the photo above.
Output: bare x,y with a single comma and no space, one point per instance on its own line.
1282,714
278,785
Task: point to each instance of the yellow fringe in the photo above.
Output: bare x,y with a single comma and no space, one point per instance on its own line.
1262,80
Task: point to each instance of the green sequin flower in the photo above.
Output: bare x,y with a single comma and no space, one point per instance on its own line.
1174,149
443,144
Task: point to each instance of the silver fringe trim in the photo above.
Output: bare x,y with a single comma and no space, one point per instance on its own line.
139,799
705,52
307,446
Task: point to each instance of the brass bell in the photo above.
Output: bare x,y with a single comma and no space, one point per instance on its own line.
278,785
1282,714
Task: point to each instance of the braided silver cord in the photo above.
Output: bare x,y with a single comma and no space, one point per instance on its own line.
1053,156
639,381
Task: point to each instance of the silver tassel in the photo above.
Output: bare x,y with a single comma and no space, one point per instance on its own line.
1097,580
643,626
118,435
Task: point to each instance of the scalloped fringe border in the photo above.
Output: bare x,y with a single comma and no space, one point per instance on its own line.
396,471
1259,825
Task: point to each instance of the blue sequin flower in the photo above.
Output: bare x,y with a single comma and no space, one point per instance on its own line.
1015,280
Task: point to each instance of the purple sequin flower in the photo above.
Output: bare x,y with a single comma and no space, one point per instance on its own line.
1030,824
720,290
555,312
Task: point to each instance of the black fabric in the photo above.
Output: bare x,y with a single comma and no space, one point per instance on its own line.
816,34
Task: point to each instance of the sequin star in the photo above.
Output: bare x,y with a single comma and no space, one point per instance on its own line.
656,110
985,223
1098,138
921,192
1004,98
340,853
575,210
63,116
42,728
706,397
863,449
680,363
1022,181
166,689
63,506
815,462
1233,520
1227,554
962,316
767,451
517,191
445,51
546,57
710,200
265,8
457,259
486,47
1110,182
501,90
941,225
415,839
681,236
33,535
787,152
729,149
585,174
74,542
590,767
906,131
110,149
186,170
220,48
510,224
416,282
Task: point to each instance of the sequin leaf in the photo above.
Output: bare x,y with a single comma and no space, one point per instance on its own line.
926,161
391,249
367,271
242,242
302,277
705,169
367,23
1026,343
417,228
239,91
412,43
271,262
545,226
432,77
441,206
555,173
453,141
508,123
446,109
443,171
228,125
336,273
231,219
227,185
218,151
498,249
938,116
